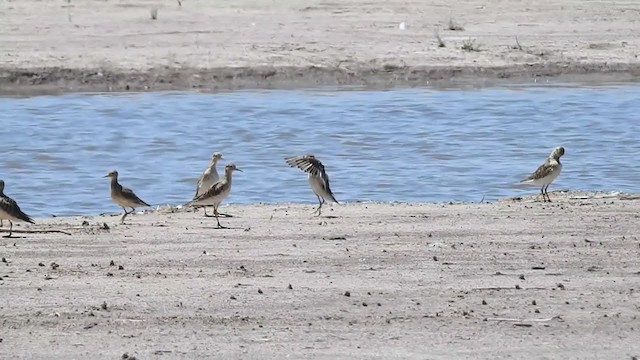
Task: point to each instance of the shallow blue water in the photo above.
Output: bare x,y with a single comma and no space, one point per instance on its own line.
419,145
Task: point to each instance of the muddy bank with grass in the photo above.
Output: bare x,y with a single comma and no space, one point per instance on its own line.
515,278
152,45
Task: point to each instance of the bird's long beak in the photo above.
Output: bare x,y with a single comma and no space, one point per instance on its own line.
239,170
106,175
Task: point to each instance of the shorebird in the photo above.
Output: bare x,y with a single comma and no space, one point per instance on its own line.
9,210
216,193
546,173
123,196
318,178
208,178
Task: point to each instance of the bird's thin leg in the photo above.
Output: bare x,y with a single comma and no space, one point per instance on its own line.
215,212
1,223
319,209
319,203
546,191
123,215
10,230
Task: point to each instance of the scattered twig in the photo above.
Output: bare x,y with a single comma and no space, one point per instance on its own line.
440,42
517,46
35,231
179,3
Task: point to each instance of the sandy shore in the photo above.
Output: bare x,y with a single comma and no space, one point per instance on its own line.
516,279
110,45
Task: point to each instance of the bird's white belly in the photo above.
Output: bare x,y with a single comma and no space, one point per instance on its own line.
549,178
317,186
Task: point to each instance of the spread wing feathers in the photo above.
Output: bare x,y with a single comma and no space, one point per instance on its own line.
307,163
9,206
542,171
131,196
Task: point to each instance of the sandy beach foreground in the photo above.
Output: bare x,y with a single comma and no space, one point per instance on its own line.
516,279
76,45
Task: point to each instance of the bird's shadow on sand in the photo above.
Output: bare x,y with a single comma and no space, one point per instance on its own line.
221,228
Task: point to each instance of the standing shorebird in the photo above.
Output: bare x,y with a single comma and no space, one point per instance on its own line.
9,210
216,193
208,178
318,178
123,196
546,173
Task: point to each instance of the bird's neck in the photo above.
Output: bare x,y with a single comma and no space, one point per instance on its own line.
114,183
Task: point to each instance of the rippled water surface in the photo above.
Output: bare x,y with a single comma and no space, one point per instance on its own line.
419,145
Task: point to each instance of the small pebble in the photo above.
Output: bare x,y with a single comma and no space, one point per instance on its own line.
347,294
112,263
259,291
120,267
290,287
534,303
484,302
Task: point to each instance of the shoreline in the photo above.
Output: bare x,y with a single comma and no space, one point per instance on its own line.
85,46
562,195
56,81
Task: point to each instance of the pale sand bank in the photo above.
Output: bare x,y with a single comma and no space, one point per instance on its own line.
110,45
425,281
